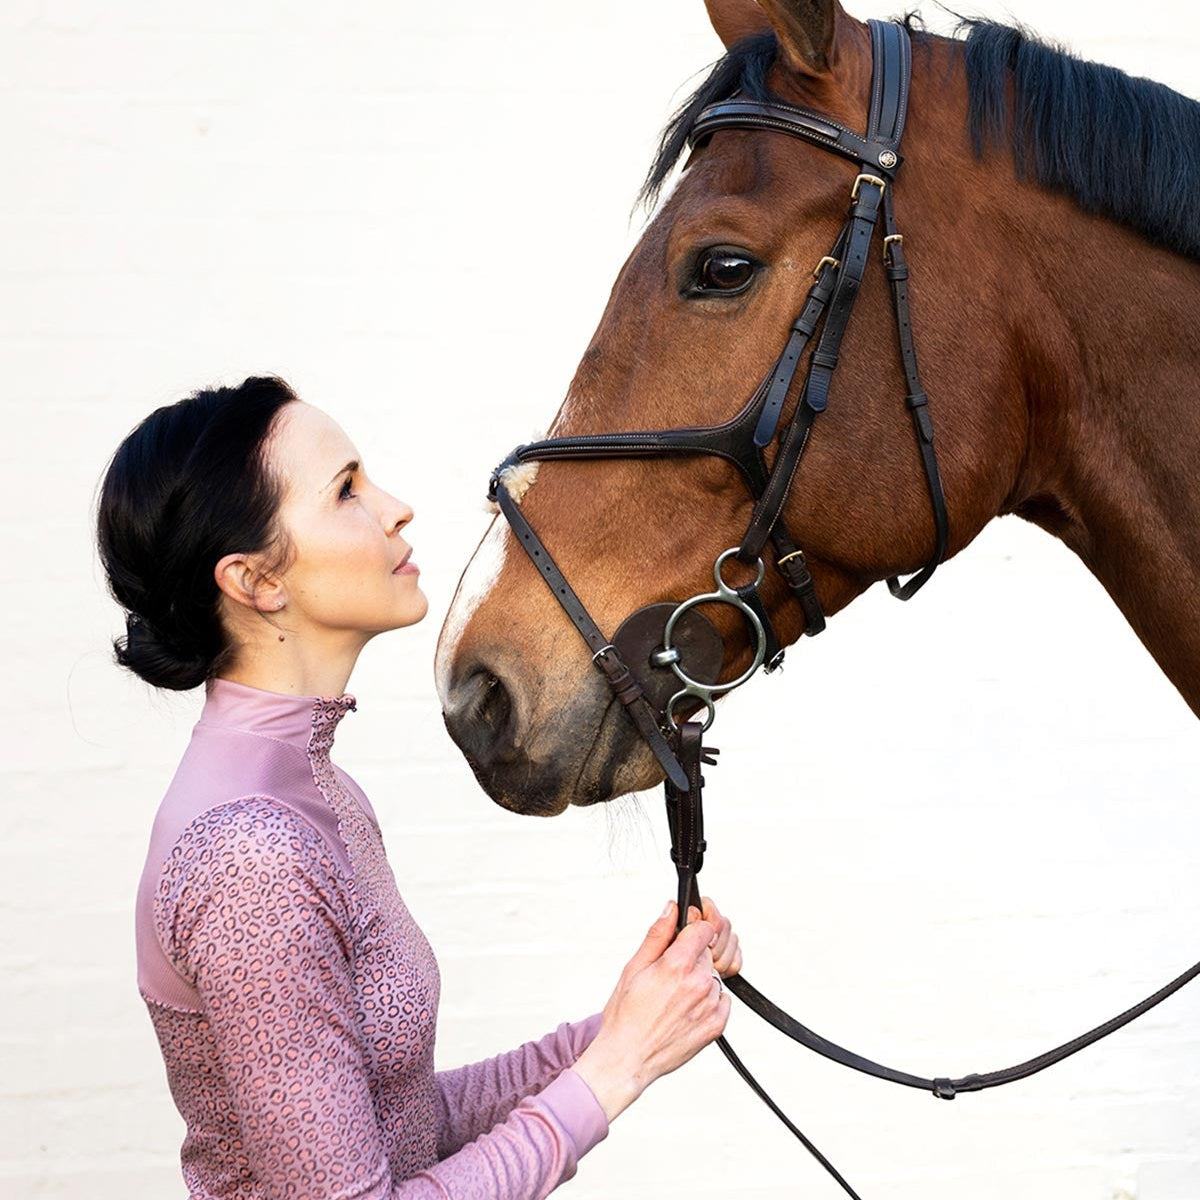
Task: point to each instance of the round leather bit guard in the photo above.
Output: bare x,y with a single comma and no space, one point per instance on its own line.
701,651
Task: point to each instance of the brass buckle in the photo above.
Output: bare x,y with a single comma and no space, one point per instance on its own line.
833,262
859,180
788,557
898,238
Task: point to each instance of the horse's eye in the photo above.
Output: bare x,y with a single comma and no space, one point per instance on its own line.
724,271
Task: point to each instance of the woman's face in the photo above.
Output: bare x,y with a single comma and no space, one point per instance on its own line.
349,570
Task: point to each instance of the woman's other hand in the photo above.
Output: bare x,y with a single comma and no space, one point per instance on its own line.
726,952
667,1006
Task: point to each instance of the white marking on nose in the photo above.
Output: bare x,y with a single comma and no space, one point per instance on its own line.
477,581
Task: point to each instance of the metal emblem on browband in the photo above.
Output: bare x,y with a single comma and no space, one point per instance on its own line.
669,655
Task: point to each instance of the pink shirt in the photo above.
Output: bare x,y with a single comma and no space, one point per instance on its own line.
295,998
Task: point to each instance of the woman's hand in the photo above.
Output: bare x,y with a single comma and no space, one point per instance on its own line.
667,1006
726,952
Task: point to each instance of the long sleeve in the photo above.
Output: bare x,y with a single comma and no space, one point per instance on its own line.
255,913
476,1097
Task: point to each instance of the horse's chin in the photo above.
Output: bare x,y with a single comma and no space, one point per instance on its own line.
569,772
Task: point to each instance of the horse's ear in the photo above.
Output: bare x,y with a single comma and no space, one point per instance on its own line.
806,31
736,19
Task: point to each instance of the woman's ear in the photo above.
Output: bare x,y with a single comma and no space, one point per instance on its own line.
240,577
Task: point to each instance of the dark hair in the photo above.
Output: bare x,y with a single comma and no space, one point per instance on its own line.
189,485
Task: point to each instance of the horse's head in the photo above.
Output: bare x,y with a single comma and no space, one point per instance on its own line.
697,316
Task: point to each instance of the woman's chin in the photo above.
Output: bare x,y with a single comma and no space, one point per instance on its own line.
414,609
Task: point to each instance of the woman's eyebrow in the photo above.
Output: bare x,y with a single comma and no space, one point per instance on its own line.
350,466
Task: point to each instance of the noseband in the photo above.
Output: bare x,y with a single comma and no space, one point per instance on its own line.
677,639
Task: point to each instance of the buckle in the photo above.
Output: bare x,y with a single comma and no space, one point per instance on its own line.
861,179
827,260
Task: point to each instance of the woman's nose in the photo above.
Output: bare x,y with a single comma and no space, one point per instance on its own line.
397,514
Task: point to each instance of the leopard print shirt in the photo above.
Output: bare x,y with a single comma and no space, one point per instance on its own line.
295,998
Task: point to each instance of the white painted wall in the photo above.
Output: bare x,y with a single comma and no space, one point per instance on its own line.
414,214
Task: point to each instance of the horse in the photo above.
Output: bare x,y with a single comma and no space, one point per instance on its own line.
1052,213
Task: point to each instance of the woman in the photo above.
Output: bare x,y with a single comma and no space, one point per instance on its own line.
294,997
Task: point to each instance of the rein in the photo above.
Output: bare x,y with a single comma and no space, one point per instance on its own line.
643,661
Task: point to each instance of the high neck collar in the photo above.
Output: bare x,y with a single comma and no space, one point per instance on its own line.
304,721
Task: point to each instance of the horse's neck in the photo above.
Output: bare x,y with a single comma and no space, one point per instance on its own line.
1114,446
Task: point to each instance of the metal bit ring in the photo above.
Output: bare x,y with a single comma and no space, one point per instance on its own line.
707,693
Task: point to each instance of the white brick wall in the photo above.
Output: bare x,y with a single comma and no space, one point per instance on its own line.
195,193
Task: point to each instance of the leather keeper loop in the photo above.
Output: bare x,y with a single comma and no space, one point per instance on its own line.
795,573
620,678
799,578
924,424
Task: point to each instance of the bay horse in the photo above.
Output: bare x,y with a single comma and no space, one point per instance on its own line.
1052,209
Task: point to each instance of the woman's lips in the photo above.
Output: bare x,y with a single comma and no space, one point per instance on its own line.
407,568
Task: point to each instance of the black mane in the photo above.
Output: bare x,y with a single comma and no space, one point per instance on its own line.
1121,147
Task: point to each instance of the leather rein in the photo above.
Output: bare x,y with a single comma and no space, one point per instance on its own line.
643,661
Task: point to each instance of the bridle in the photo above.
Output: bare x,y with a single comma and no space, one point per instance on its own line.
644,661
744,439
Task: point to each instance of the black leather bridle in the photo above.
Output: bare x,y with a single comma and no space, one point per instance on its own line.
642,662
744,439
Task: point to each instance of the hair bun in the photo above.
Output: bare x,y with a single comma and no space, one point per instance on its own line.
157,659
188,485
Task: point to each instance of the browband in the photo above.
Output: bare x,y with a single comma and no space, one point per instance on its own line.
876,153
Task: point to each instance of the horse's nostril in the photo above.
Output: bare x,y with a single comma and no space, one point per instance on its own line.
495,705
481,718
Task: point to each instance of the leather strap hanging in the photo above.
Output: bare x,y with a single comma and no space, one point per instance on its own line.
685,819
